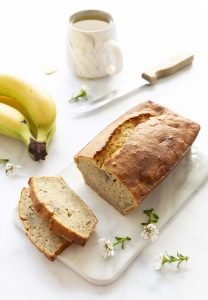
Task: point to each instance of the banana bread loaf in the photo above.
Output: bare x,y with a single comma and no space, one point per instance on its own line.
128,159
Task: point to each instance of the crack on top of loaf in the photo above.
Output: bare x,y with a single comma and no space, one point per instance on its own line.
119,137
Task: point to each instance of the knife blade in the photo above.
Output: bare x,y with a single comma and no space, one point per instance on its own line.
150,77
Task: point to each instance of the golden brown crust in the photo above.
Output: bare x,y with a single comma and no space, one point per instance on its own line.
63,247
39,207
65,233
148,154
99,142
49,256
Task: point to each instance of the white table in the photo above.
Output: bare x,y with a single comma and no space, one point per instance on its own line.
32,35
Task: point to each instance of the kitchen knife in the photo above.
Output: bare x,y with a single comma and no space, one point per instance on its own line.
165,69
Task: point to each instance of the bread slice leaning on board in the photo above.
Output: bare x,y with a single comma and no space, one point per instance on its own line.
53,216
69,217
132,155
38,230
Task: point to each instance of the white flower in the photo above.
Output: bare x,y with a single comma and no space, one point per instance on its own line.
106,248
11,167
150,232
158,262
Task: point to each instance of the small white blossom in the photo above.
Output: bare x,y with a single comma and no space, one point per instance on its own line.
150,232
106,248
158,262
10,168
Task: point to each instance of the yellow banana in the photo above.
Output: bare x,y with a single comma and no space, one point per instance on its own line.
33,102
15,125
14,103
50,135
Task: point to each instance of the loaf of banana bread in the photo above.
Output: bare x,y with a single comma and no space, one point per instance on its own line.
129,158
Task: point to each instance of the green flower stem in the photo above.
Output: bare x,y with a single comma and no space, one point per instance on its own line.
172,259
153,217
121,240
82,94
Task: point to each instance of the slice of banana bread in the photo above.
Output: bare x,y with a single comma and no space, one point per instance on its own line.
37,229
68,215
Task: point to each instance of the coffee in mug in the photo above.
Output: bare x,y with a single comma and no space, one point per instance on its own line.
92,50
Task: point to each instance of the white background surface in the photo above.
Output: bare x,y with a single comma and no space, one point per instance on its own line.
32,35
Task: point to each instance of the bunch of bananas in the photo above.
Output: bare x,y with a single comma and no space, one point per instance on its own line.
27,113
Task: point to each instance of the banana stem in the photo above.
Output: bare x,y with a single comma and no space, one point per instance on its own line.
37,150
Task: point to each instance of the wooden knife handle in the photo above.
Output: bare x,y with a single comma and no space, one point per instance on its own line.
167,68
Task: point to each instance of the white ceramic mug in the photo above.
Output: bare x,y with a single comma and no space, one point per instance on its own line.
92,50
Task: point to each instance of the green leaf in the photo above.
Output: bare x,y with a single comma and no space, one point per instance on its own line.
144,224
179,263
153,217
4,161
171,259
121,240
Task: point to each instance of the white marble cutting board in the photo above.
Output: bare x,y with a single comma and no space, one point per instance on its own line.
166,199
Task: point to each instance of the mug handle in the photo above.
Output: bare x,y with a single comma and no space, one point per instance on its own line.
111,69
